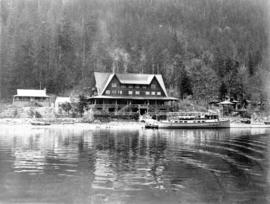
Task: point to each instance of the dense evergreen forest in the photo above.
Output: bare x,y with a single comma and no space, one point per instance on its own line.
203,48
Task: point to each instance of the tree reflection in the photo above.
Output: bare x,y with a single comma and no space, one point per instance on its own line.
114,165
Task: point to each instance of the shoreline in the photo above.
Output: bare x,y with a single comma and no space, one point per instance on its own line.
26,122
254,125
76,122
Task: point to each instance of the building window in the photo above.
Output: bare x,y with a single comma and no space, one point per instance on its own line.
120,92
108,92
130,86
113,91
153,93
114,85
153,86
144,87
129,92
137,86
158,93
123,86
137,92
147,93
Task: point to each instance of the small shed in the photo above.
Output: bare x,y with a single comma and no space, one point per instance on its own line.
29,97
59,101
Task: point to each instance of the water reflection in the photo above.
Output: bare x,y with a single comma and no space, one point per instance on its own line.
71,165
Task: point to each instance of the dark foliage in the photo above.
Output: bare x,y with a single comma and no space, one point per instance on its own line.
82,105
222,91
185,86
58,44
66,107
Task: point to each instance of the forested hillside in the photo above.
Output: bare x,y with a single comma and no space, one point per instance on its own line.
203,48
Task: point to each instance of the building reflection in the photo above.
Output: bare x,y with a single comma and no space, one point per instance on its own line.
113,164
220,163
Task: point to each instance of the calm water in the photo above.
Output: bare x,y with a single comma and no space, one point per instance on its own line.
67,165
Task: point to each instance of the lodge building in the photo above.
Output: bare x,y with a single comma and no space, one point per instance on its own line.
130,93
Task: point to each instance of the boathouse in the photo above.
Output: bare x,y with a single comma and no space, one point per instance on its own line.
31,97
141,93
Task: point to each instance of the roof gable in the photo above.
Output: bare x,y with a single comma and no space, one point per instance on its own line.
101,81
161,83
104,79
135,78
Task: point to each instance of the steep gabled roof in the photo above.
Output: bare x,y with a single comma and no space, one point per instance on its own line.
161,83
31,93
103,80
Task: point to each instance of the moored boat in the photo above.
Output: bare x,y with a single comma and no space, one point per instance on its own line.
194,124
151,124
40,123
191,120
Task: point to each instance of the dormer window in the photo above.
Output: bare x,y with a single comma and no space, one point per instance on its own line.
158,93
153,93
114,85
108,92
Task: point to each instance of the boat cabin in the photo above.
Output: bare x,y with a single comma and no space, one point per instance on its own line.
184,116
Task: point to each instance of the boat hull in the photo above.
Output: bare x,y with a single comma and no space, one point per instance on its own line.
212,125
40,123
151,126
